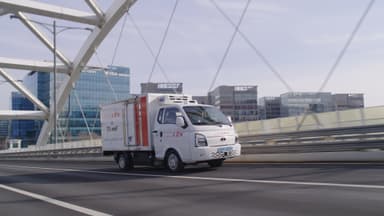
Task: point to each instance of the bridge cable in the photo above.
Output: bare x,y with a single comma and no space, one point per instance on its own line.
109,84
346,45
254,48
163,40
341,55
106,75
95,121
83,115
149,48
229,45
119,38
112,63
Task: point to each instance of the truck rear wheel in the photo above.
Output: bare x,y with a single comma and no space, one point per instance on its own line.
216,163
125,161
173,162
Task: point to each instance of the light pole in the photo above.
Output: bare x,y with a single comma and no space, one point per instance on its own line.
54,82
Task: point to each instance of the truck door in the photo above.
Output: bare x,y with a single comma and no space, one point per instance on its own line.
157,135
167,134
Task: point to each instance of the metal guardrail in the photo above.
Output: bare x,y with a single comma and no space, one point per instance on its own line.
314,122
361,138
324,140
349,130
87,148
58,153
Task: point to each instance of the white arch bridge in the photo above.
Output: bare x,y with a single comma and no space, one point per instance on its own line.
102,23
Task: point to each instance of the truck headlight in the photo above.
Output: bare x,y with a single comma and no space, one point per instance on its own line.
200,140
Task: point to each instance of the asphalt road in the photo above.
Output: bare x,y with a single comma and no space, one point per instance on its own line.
98,188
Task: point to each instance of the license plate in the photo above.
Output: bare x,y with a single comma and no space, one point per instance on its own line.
224,149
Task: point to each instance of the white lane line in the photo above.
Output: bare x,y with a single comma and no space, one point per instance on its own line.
327,184
303,163
70,206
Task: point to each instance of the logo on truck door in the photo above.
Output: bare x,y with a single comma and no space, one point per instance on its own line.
112,127
174,134
115,115
177,134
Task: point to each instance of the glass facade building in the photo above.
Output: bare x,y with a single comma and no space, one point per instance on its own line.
26,130
165,88
201,99
38,84
348,101
4,133
80,116
239,102
297,103
269,107
4,128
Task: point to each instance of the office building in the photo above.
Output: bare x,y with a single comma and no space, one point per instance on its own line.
38,84
297,103
4,131
239,102
165,88
26,130
269,107
80,116
348,101
201,99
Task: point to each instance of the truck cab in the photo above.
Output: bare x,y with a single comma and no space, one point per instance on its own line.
175,130
194,133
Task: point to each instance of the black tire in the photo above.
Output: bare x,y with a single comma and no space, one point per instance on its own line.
173,162
125,161
116,157
216,163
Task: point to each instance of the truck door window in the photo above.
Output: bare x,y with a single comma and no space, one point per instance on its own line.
160,116
170,115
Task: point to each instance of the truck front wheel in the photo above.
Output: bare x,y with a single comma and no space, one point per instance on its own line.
125,161
173,162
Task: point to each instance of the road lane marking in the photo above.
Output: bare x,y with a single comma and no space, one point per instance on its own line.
304,163
70,206
326,184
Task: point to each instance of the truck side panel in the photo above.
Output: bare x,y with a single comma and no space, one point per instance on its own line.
141,122
144,121
125,126
137,121
113,127
130,121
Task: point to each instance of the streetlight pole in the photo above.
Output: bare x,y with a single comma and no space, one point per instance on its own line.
54,83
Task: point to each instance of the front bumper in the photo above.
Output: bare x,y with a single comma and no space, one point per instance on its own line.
208,153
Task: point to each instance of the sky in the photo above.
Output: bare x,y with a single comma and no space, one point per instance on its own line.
301,39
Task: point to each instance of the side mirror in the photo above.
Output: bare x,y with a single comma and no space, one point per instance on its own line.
229,119
180,121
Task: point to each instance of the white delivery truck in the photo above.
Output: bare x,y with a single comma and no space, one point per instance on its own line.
167,128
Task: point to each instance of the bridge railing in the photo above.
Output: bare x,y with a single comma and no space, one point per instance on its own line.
70,149
314,121
350,130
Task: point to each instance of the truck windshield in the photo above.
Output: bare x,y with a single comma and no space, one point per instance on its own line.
205,115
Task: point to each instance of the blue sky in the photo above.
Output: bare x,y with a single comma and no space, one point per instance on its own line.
300,38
